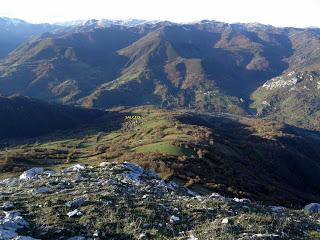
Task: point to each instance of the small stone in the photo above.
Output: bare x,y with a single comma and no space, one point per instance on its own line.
104,164
74,213
146,225
142,236
75,168
96,233
216,196
277,209
242,200
174,219
108,202
78,178
49,173
191,237
225,221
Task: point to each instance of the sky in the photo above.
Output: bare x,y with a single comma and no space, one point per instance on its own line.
297,13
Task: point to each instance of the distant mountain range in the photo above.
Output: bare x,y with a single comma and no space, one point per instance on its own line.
13,32
208,65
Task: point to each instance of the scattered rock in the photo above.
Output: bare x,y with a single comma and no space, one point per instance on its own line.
113,185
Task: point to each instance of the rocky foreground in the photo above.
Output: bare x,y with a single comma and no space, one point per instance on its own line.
124,201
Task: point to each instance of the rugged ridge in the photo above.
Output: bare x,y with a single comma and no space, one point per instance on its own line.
206,65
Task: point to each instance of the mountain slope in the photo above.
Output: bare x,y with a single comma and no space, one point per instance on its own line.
293,98
14,32
234,156
24,117
65,67
208,65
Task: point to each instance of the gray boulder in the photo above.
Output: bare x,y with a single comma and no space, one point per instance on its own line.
312,208
31,174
